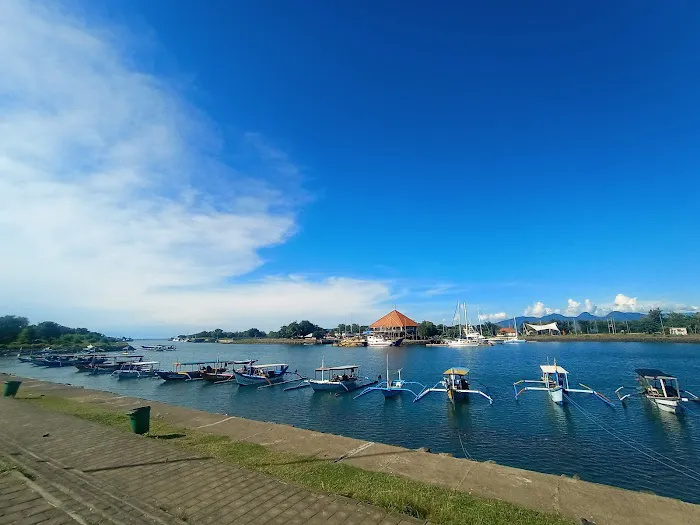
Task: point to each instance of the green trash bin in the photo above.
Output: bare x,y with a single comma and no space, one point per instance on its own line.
11,388
140,420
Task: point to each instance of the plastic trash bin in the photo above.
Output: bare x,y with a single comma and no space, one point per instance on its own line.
11,388
140,419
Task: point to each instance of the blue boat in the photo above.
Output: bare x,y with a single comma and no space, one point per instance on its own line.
260,375
392,387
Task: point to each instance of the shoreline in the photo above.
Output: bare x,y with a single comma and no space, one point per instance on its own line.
570,497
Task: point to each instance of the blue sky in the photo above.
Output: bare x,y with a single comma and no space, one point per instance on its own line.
251,163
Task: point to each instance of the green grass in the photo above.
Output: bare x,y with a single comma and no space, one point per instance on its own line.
437,504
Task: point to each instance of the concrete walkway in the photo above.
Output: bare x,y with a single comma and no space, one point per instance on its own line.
573,498
74,471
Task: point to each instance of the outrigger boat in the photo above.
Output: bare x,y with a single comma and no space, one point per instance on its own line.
555,380
391,388
224,377
338,379
261,374
455,382
660,388
137,370
190,371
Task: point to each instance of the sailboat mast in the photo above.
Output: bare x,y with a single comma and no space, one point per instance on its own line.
388,383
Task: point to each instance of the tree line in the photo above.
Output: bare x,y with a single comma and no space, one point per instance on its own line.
16,330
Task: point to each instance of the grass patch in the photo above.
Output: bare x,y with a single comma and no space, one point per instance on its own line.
421,500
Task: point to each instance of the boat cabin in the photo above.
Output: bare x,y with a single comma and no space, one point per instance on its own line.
555,376
658,384
457,378
269,370
337,373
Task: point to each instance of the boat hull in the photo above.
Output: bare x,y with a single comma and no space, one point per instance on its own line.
387,392
248,380
557,396
213,378
180,376
333,386
668,405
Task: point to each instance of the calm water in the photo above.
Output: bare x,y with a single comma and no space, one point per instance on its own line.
532,433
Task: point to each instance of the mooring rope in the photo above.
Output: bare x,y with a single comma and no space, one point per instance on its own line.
637,443
459,435
653,458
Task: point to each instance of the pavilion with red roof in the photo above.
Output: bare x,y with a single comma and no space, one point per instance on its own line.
395,325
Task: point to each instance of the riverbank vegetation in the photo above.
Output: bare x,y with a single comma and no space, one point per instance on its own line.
17,332
427,502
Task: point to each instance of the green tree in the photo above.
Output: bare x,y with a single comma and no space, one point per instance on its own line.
651,323
11,326
427,329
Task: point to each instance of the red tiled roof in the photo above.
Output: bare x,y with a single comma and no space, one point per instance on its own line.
507,330
393,319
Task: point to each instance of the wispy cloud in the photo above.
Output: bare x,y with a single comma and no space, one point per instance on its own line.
493,318
116,204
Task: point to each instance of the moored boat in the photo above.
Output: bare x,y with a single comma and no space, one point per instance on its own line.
455,383
660,388
336,378
191,371
137,370
555,381
261,374
392,387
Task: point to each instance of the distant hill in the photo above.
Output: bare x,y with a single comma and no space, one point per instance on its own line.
584,316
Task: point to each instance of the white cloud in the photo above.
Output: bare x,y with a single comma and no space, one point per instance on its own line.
573,308
493,318
115,205
625,304
539,309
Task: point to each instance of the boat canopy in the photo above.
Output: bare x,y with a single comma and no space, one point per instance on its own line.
346,367
190,363
456,372
552,369
274,365
653,373
246,362
143,363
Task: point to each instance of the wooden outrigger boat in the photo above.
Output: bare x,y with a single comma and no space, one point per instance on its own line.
137,370
225,377
555,380
259,375
190,371
392,387
335,379
108,365
455,382
661,389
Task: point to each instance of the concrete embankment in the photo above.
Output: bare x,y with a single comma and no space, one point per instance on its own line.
544,492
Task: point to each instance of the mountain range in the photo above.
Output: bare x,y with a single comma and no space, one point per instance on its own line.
584,316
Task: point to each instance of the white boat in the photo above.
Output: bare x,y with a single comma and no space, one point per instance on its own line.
378,340
467,335
661,389
137,370
555,381
341,379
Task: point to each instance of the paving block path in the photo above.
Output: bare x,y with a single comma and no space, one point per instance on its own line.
73,471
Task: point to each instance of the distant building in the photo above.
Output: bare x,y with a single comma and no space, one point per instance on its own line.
508,331
678,331
394,325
